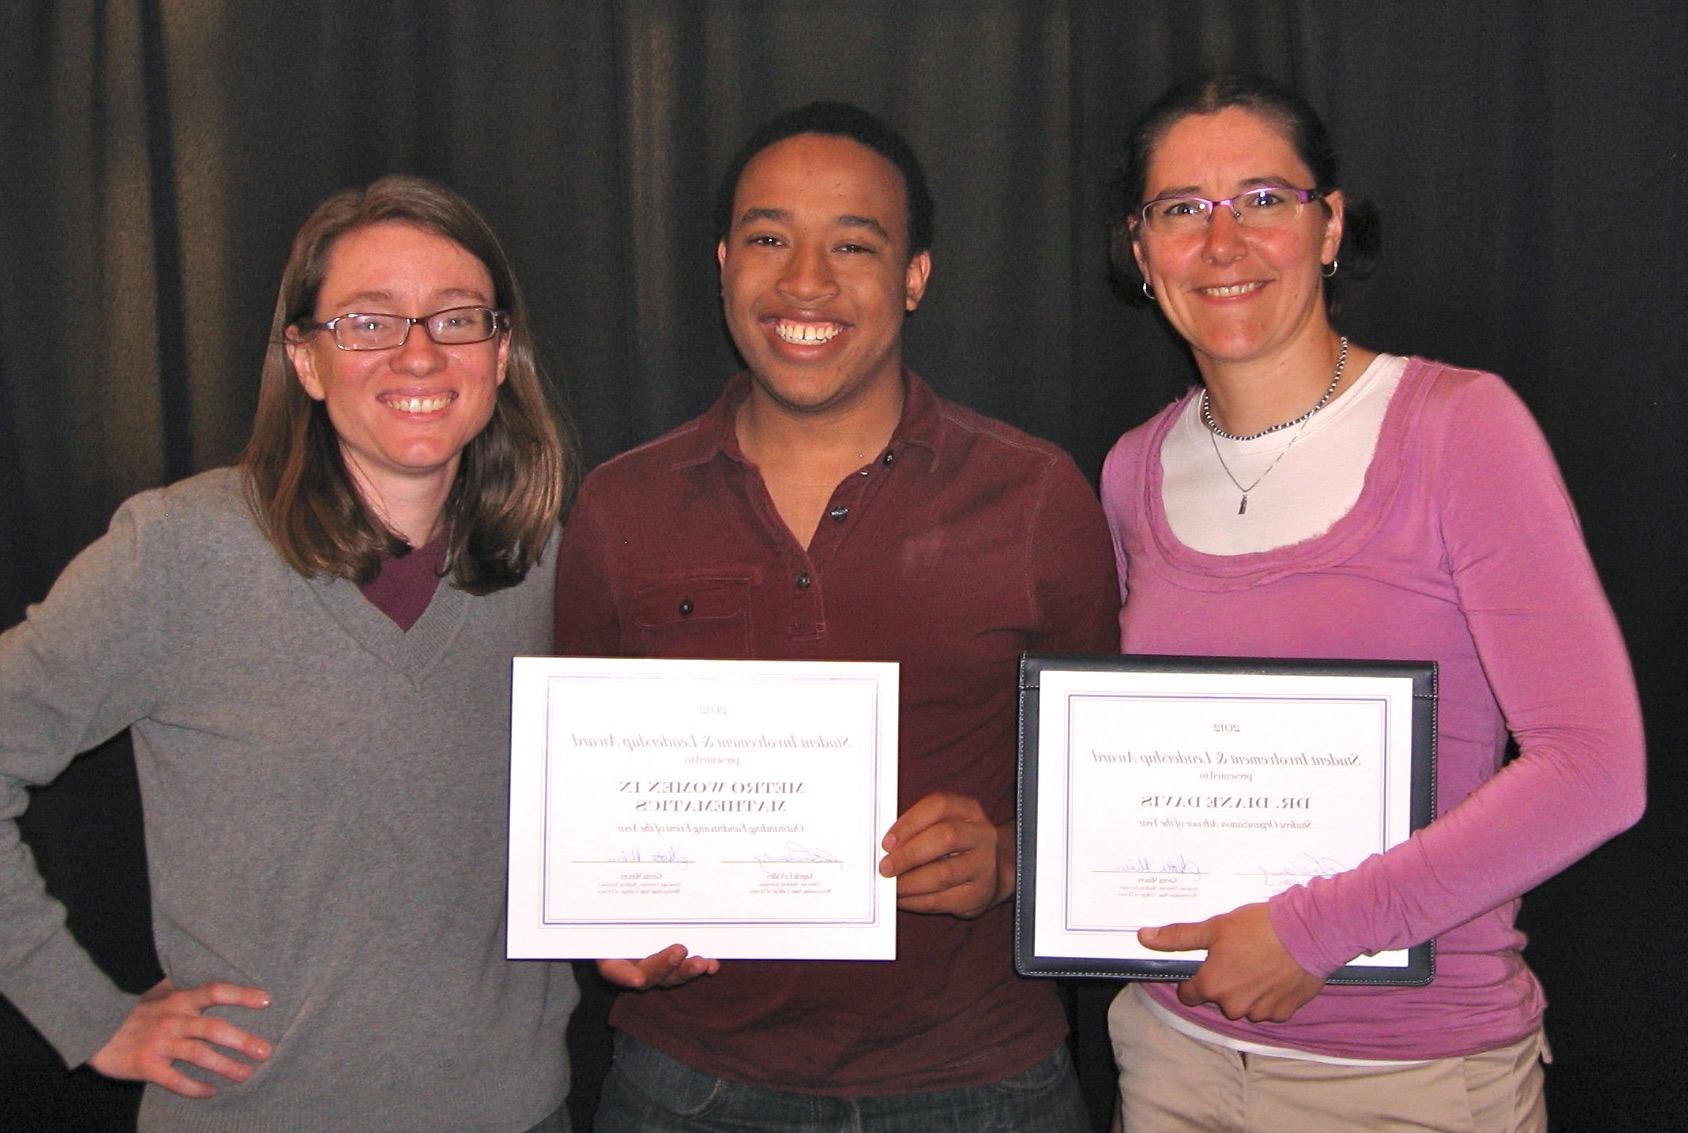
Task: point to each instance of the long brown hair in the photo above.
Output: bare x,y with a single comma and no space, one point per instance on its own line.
515,479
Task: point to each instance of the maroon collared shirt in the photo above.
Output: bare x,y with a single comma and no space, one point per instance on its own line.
960,545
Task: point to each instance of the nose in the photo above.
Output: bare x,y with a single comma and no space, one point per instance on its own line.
1223,240
418,353
807,275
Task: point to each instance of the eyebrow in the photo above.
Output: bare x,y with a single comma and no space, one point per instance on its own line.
352,302
847,220
1243,186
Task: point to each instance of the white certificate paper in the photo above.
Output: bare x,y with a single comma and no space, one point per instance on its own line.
1173,794
735,807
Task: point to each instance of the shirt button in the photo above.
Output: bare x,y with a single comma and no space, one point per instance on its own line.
840,513
686,607
803,581
888,459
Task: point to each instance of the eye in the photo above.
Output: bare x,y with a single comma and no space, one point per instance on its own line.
857,249
1264,199
764,240
369,326
1181,206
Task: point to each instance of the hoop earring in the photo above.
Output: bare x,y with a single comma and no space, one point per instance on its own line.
1148,292
1328,270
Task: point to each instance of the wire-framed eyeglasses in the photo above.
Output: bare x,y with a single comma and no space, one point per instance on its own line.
454,326
1263,206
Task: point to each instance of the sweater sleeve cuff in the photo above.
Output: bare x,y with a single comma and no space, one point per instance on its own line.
66,997
1288,913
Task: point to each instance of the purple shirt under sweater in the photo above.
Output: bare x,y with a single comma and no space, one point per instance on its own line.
406,585
1463,548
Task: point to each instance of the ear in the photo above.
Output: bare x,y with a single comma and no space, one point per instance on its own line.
914,279
1137,251
304,364
721,254
503,356
1332,243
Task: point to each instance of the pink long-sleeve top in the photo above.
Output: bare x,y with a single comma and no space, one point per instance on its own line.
1463,548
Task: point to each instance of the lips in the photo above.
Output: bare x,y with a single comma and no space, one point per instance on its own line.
418,403
1229,290
804,333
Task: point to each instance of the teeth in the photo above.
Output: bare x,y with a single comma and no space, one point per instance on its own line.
420,404
1232,289
806,334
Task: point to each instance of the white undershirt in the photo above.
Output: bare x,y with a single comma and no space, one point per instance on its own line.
1314,484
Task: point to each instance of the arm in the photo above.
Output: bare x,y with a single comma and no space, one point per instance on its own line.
946,853
86,663
1556,664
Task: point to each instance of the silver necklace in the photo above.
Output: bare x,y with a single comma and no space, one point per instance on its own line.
1214,432
1213,426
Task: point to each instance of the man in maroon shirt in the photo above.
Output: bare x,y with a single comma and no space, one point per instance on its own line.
831,507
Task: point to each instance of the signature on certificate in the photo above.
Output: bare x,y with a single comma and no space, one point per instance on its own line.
1145,864
1301,868
795,852
671,856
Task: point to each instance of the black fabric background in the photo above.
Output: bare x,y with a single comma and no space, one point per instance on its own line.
156,155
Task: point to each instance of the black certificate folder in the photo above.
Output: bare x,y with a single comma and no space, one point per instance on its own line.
1156,790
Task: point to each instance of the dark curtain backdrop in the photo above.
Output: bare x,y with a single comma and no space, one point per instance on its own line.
1528,158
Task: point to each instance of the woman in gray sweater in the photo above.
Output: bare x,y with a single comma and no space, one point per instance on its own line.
311,651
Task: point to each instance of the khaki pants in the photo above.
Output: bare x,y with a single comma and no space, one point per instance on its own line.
1171,1083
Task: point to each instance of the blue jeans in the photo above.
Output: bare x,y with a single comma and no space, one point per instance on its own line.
649,1092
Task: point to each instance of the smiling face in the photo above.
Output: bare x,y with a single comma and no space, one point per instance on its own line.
402,415
816,276
1238,295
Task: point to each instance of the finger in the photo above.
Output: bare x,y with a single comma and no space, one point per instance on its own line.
935,843
622,973
1189,995
167,1076
641,974
1183,937
218,993
209,1029
931,809
690,969
208,1057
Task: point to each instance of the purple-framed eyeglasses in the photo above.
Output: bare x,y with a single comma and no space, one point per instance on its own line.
1262,206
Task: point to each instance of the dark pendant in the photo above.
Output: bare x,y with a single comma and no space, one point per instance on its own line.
1243,507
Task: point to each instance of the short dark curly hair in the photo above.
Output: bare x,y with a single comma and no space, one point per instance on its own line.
845,120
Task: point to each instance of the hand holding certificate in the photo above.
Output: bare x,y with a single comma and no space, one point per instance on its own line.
734,806
1170,790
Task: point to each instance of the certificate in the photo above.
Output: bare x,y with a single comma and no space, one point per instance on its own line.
1156,790
735,807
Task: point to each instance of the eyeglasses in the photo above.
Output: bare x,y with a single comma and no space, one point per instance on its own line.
455,326
1265,206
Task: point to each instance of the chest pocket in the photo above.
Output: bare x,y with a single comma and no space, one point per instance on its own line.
705,616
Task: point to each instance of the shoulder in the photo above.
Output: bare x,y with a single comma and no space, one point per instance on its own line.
971,437
210,507
1466,414
652,462
1128,452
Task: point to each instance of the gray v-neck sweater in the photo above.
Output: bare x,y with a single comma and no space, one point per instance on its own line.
325,805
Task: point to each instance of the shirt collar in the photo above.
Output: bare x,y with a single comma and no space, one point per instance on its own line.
716,434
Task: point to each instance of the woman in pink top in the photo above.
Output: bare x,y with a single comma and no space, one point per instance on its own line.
1313,498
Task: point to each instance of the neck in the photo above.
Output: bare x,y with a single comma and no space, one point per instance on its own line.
837,439
408,507
1245,400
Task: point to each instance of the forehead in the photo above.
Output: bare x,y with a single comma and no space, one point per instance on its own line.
824,176
401,260
1222,150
